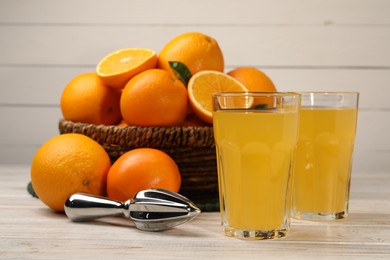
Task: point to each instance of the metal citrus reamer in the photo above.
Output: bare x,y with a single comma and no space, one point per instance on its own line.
150,210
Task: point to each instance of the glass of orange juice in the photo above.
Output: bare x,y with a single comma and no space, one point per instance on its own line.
255,136
323,164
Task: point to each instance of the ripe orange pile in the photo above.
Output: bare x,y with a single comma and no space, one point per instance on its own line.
138,87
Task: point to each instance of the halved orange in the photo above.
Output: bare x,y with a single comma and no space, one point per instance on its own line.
203,85
118,67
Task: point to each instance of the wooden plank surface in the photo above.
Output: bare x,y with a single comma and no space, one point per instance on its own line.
203,12
303,46
29,230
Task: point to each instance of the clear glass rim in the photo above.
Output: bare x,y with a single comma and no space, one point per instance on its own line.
331,99
254,94
328,92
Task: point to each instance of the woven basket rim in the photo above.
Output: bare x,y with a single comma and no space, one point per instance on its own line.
141,136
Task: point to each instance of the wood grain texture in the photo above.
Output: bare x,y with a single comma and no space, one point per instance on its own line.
303,46
202,12
29,230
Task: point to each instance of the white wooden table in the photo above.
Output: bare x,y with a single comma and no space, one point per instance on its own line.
29,230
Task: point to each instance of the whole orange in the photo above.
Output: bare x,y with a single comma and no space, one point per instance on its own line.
196,51
253,79
66,164
154,98
140,169
87,99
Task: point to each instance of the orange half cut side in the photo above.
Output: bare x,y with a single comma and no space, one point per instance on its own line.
118,67
203,85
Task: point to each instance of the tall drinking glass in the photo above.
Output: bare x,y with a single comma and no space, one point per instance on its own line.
323,165
255,136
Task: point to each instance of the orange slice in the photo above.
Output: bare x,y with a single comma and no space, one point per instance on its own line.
118,67
203,85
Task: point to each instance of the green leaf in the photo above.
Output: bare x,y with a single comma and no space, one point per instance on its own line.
261,106
30,190
181,71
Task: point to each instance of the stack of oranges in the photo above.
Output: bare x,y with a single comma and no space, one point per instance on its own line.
137,87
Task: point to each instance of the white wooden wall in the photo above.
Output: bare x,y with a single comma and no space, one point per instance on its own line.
301,44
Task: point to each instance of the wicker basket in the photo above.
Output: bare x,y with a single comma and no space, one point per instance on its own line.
192,148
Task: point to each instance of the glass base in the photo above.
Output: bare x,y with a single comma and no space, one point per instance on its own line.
254,234
319,216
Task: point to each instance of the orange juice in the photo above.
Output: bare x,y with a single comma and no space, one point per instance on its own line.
255,153
323,161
